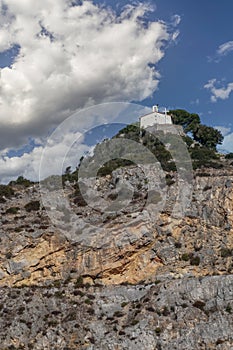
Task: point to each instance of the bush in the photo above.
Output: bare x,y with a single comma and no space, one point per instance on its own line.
78,198
6,191
124,303
12,210
9,255
195,260
169,180
112,165
158,330
185,257
228,309
199,304
22,181
226,252
32,206
229,155
79,282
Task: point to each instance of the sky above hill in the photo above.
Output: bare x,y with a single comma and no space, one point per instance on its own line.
59,57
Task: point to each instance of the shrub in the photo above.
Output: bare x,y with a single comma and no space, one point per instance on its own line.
32,206
178,245
195,260
134,322
229,155
118,314
124,303
12,210
158,330
185,257
52,323
169,180
150,308
157,281
199,304
226,252
22,181
79,282
58,294
6,190
18,229
78,198
8,255
112,165
57,283
166,311
228,309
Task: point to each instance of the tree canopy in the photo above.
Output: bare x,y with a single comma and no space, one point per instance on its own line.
206,135
189,121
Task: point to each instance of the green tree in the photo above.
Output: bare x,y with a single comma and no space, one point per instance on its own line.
189,121
22,181
208,136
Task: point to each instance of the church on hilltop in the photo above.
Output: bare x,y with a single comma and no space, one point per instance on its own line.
155,117
159,121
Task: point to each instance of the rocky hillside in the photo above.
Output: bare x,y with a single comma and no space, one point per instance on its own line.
130,283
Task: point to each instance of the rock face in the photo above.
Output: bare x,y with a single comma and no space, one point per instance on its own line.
127,246
176,314
166,282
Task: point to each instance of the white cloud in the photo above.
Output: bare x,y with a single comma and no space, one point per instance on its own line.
222,93
227,144
224,130
225,48
67,143
28,165
176,20
70,57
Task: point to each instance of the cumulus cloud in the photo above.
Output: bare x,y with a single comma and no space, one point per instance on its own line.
224,130
176,20
28,164
71,57
73,138
225,48
221,93
227,144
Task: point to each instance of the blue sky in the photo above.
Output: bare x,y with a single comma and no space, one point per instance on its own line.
193,60
53,65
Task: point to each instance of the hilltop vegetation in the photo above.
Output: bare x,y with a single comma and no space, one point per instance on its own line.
201,142
206,136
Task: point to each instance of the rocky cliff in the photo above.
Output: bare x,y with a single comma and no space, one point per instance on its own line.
129,282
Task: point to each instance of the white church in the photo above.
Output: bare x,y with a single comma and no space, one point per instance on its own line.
155,118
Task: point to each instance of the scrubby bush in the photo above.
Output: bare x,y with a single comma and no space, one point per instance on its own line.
195,260
6,191
22,181
185,257
112,165
229,155
199,304
12,210
78,198
226,252
32,206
